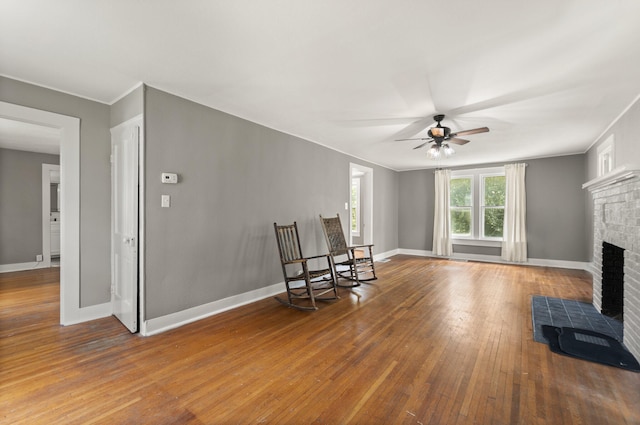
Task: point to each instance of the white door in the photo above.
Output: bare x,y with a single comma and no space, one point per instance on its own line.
124,223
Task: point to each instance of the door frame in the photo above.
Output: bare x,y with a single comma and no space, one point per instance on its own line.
46,213
70,310
366,187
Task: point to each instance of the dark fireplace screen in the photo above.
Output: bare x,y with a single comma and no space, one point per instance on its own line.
612,280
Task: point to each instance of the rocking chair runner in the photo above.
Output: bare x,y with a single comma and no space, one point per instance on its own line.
303,282
357,259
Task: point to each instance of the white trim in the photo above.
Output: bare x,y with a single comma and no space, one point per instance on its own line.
52,88
366,184
184,317
46,212
70,310
141,223
633,102
478,242
126,93
355,181
180,318
606,156
385,255
86,314
19,267
472,171
538,262
624,172
137,120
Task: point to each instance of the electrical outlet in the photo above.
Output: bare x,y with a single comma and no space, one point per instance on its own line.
39,257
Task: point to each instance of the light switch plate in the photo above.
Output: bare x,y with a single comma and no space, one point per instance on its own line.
166,201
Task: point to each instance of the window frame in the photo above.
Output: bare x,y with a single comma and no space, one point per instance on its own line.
477,216
606,158
355,182
470,207
483,206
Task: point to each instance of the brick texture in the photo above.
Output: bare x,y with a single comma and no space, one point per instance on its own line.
616,221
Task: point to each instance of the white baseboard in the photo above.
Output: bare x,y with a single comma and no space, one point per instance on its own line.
18,267
385,255
85,314
563,264
180,318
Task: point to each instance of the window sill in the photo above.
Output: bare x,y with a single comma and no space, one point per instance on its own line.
477,242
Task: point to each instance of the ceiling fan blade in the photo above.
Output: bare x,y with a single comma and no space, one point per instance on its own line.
416,138
473,131
414,128
458,141
419,146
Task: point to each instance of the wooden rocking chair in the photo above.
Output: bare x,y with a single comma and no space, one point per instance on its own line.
353,263
301,281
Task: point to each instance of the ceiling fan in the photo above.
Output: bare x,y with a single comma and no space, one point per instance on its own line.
442,136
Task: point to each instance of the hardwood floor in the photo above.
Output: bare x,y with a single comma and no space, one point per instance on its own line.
430,342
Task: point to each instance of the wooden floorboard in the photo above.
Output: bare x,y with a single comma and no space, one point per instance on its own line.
430,342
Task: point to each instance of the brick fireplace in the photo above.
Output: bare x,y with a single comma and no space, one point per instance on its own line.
616,221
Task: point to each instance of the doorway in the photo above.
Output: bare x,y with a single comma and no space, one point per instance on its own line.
360,205
70,311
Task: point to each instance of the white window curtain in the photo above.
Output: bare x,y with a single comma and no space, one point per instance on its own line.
514,244
441,216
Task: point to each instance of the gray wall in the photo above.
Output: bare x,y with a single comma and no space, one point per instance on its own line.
386,188
127,107
236,179
95,183
556,217
626,132
417,191
21,204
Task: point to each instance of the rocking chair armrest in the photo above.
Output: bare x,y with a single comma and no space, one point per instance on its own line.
361,246
299,260
317,256
305,259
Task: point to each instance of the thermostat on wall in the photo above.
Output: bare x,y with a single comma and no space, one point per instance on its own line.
169,178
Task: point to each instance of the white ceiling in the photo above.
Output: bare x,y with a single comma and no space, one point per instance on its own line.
547,77
20,135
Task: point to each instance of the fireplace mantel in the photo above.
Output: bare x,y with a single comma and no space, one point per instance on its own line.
624,172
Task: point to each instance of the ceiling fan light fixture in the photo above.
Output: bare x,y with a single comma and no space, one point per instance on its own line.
438,151
437,132
448,150
433,152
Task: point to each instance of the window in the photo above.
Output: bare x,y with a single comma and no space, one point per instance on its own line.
477,204
492,206
605,156
461,205
355,207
